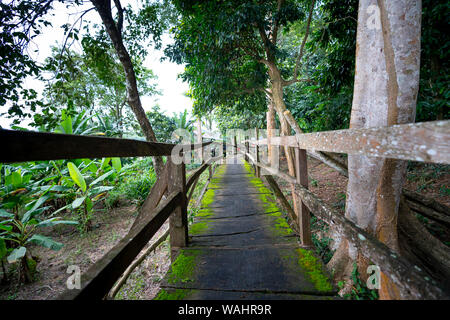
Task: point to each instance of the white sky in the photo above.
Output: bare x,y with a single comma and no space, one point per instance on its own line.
172,98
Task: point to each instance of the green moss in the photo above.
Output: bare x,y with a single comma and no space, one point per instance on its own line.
198,228
204,213
281,227
183,267
314,269
177,294
208,198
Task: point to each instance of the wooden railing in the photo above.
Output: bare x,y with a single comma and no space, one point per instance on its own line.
97,281
427,141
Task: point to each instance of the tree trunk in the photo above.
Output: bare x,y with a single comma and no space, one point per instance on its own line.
385,93
285,129
271,125
103,7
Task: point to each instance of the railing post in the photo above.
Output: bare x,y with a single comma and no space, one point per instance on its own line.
178,224
257,168
247,150
235,145
303,216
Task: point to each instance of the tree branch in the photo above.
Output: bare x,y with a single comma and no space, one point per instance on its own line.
120,13
276,24
300,54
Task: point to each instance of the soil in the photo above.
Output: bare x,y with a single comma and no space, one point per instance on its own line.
110,226
83,251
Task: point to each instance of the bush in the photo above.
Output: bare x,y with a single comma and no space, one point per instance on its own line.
134,185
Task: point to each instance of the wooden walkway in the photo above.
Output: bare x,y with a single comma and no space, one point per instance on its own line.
241,247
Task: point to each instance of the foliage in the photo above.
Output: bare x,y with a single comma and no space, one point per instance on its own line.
87,194
182,121
434,62
20,23
223,66
162,124
18,229
134,184
325,102
93,83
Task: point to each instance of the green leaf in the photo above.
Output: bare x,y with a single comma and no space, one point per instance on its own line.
76,176
45,242
5,214
117,164
89,204
54,221
31,213
102,177
16,179
78,202
35,209
66,125
17,254
97,190
104,163
5,227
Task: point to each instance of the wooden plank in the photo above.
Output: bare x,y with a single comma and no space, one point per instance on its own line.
33,146
100,277
178,224
426,141
304,223
154,197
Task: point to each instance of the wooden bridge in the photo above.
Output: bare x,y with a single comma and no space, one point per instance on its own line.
241,245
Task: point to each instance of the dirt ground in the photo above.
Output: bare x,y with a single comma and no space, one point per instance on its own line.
83,251
111,226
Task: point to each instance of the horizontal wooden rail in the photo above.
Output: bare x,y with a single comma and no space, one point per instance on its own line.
425,141
100,277
412,282
19,146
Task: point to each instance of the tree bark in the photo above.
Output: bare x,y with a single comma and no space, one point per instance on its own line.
103,7
271,126
385,92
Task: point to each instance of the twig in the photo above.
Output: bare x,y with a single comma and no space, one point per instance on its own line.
136,263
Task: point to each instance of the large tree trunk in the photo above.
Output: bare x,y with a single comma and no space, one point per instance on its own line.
103,7
385,93
285,129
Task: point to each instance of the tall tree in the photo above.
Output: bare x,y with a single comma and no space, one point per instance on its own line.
385,93
20,23
236,52
115,31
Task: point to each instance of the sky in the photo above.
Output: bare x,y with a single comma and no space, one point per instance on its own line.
172,98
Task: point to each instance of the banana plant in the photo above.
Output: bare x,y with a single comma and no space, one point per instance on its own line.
22,233
87,194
